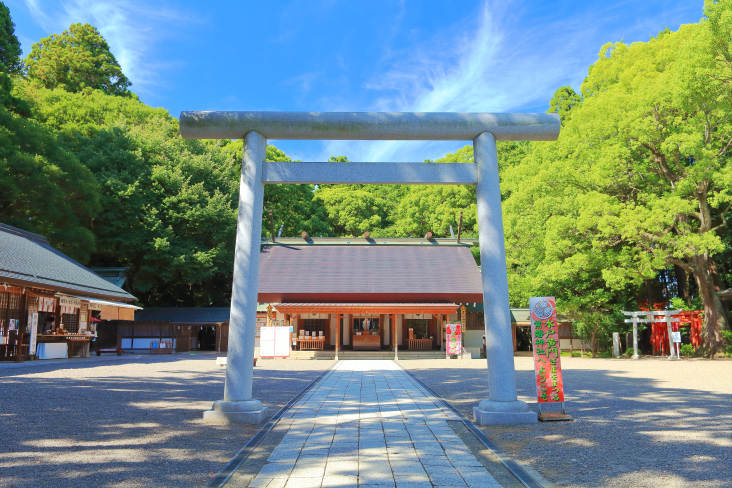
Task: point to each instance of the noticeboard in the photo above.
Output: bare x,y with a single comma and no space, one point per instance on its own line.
545,344
266,342
282,342
274,342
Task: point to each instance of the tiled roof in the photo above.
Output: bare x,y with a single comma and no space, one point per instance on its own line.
368,269
28,259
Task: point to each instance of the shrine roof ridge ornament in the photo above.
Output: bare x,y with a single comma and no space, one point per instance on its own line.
425,126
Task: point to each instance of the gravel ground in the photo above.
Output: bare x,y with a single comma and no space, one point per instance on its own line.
132,422
648,423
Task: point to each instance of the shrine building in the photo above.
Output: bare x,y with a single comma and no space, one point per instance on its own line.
365,294
368,294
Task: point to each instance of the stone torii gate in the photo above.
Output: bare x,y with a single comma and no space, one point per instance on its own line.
483,129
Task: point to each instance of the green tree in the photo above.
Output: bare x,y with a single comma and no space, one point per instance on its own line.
564,99
10,50
294,207
639,179
79,58
168,212
435,208
352,210
44,188
168,205
10,64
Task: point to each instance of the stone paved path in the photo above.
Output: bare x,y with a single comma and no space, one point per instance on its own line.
367,424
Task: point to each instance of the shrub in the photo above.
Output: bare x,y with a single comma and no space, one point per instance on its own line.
687,349
728,341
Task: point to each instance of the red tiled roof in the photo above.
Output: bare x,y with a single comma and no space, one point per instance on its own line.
368,274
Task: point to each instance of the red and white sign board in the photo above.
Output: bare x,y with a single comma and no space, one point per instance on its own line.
274,342
453,339
545,343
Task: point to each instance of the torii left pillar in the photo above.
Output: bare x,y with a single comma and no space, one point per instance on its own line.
238,404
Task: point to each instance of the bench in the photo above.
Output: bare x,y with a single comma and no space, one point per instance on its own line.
100,351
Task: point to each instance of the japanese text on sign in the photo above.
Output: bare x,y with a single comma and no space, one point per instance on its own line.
545,343
453,338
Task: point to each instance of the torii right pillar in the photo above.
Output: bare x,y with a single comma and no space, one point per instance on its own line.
502,405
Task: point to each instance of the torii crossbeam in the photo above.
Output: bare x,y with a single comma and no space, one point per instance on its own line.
484,129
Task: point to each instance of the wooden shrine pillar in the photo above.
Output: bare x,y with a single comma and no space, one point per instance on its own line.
338,334
442,332
395,340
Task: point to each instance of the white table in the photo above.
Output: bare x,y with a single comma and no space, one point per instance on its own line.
52,350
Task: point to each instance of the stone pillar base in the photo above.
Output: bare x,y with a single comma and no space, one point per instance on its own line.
243,412
254,417
496,418
495,413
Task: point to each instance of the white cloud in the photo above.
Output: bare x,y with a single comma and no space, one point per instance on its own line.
132,30
490,62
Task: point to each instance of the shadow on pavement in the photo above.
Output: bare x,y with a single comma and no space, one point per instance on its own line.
132,423
627,431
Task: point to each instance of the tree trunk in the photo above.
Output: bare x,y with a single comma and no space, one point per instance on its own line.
683,284
717,283
715,320
649,294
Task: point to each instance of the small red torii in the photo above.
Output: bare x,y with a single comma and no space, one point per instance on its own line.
659,332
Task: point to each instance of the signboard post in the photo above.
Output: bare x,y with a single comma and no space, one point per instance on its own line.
33,321
677,342
547,365
453,339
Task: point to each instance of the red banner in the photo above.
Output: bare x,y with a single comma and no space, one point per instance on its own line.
545,343
454,340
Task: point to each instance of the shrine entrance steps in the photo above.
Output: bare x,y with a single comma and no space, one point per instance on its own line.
346,354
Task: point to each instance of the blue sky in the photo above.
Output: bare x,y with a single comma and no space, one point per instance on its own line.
411,55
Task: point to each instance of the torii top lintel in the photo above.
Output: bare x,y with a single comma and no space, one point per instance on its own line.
424,126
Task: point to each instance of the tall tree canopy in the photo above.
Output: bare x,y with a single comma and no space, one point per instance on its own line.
79,58
10,50
10,64
44,188
563,101
294,207
639,179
